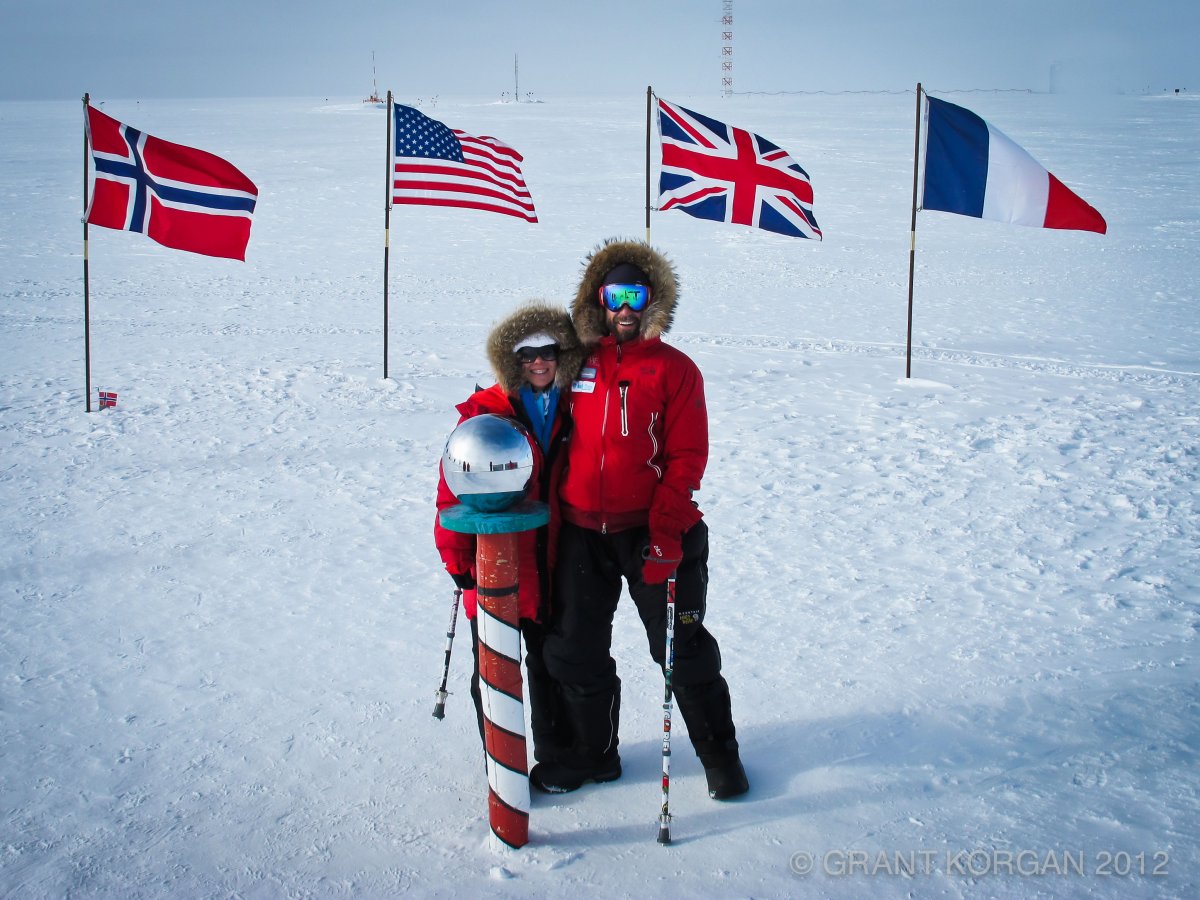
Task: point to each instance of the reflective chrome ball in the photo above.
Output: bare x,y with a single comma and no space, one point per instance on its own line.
488,462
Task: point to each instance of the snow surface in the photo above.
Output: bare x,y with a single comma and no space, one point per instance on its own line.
958,613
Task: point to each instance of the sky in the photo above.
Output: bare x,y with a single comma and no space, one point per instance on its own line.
129,49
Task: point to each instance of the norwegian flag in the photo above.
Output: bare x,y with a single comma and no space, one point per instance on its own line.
183,198
711,170
108,399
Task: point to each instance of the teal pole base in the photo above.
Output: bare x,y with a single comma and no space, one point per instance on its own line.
524,516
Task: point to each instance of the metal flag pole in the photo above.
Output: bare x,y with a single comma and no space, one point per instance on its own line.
87,310
649,94
387,225
912,245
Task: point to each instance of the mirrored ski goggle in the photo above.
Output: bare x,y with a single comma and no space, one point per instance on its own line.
635,296
528,354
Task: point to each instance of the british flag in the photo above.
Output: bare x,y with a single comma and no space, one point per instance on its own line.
711,170
181,197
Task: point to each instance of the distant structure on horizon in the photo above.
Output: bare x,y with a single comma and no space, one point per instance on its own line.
727,48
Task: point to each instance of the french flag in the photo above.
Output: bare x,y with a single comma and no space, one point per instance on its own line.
974,169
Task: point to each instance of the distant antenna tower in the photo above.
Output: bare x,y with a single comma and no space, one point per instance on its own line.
516,81
727,48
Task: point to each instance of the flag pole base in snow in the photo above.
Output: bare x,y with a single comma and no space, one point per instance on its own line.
496,572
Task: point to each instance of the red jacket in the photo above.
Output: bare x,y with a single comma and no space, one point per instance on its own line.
640,441
535,549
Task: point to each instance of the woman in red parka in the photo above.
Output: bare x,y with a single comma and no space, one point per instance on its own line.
535,356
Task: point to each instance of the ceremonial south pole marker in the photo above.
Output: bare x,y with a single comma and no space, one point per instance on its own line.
488,464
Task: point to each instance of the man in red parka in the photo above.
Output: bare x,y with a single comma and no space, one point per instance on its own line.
638,451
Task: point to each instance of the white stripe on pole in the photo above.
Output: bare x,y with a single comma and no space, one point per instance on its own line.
499,635
502,710
511,787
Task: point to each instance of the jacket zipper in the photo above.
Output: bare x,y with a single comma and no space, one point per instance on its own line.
624,387
600,476
603,433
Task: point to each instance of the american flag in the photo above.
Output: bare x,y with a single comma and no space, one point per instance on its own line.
439,166
711,170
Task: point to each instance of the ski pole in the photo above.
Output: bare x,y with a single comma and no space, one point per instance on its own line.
439,708
664,818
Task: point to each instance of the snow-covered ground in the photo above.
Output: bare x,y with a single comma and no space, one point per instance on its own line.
958,612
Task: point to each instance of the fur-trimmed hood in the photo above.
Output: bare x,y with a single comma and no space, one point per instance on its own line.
531,318
588,314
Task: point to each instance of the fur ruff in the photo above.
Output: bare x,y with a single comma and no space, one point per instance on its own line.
588,314
531,318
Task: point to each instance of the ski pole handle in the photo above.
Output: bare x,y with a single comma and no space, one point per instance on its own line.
440,695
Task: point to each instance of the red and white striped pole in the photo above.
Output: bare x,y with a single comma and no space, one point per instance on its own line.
488,463
500,673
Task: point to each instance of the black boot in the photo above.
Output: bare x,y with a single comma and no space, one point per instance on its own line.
593,757
724,772
562,777
708,714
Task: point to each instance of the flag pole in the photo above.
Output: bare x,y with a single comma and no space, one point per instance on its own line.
649,93
87,312
387,225
912,245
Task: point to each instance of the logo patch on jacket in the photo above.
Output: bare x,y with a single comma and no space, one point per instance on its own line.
586,382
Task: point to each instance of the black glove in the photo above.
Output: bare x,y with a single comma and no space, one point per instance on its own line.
463,581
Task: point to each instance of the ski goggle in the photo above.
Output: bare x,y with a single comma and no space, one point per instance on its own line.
528,354
614,296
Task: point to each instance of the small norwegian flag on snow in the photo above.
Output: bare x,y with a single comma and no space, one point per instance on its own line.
108,399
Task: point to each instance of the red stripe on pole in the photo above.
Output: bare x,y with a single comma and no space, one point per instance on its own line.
499,671
508,824
507,748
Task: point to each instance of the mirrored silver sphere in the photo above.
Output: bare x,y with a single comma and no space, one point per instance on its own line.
488,462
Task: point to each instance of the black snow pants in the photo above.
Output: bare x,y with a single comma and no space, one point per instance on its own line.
577,647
